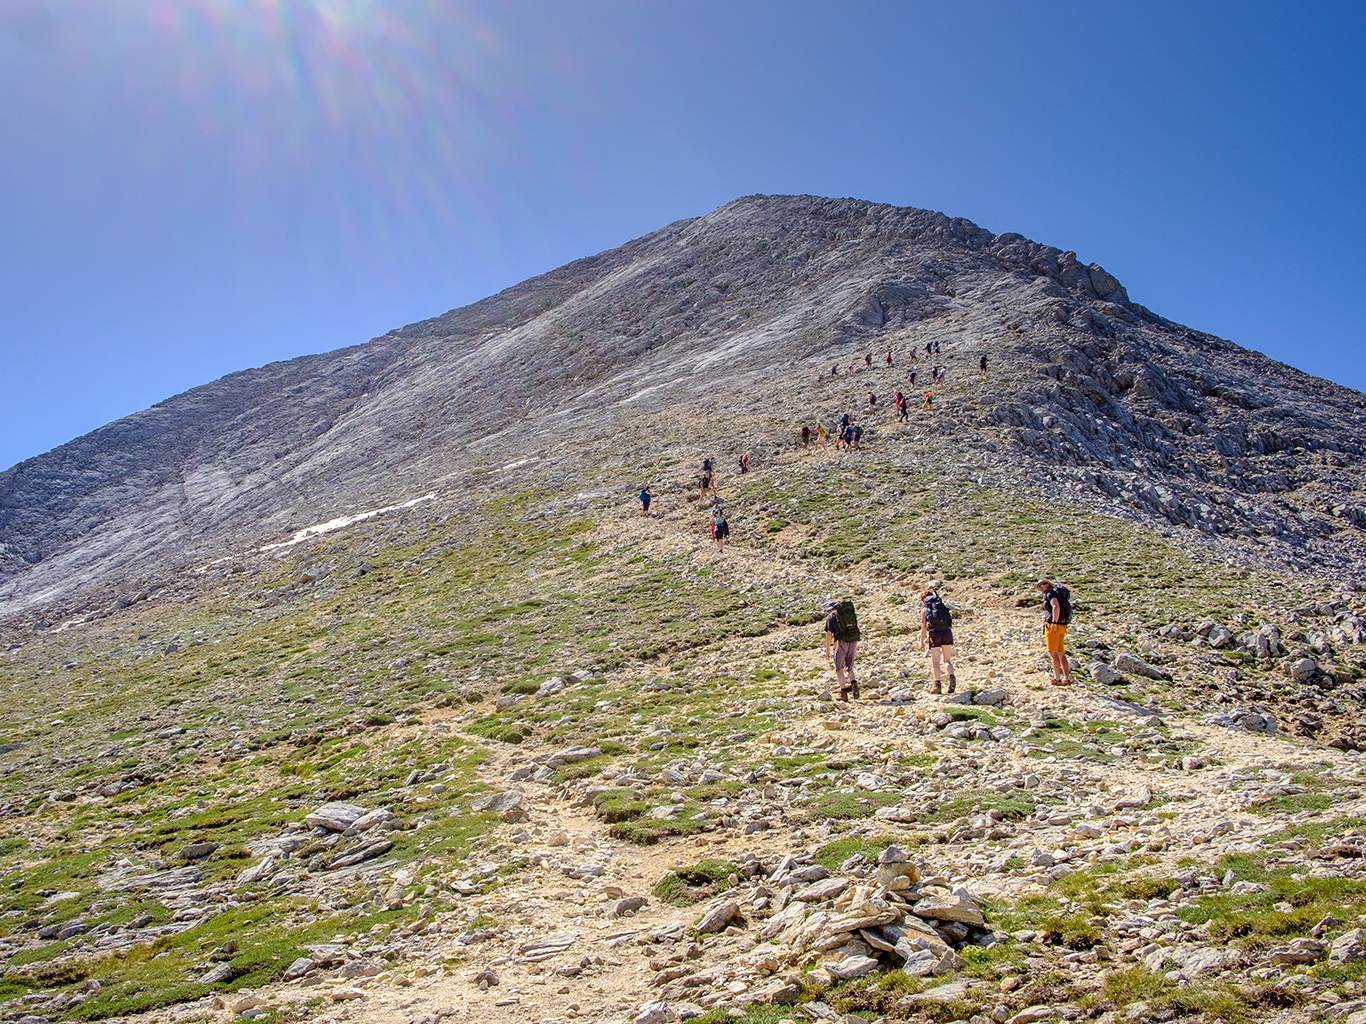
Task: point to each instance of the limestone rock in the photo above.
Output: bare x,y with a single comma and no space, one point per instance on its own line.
719,917
953,907
335,817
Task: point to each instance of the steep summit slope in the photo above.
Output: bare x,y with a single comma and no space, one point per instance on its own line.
735,314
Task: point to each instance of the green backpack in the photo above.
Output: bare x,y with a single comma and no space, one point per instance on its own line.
846,622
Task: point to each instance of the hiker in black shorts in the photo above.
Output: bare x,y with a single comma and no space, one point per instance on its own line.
872,403
720,529
936,627
983,364
806,436
707,485
868,360
645,495
889,357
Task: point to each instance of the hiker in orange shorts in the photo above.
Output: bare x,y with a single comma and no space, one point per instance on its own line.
1057,613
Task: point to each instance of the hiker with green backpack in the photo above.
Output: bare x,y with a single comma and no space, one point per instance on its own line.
841,644
936,627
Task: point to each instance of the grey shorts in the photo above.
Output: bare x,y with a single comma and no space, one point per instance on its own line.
844,654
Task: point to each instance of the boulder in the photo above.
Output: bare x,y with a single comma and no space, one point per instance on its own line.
1348,948
1219,637
852,967
953,907
380,817
1304,670
989,698
335,817
1300,951
511,804
716,919
1107,675
655,1013
626,905
550,687
1136,666
198,851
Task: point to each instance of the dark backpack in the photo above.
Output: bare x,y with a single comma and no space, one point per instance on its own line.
1064,597
846,622
937,615
706,465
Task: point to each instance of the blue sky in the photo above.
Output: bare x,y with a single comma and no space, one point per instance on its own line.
190,187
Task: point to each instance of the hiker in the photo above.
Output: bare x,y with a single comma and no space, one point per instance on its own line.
842,637
929,397
872,403
707,485
720,529
914,356
645,495
936,626
822,436
806,436
929,349
889,356
936,348
911,374
856,435
744,463
835,370
853,360
1057,615
845,420
983,364
903,413
868,360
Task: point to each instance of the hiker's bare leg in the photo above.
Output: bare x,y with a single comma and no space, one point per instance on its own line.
934,669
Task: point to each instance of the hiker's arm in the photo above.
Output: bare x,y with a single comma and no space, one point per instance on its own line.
829,638
1054,610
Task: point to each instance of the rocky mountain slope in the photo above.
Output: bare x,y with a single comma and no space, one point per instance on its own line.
735,313
358,687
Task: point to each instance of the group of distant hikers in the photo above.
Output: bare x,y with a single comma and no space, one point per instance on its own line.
936,630
936,620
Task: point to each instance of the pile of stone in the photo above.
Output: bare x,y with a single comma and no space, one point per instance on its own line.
849,926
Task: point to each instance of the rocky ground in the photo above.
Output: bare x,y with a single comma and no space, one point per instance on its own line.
701,831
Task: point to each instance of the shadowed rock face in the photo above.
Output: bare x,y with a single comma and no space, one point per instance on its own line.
748,304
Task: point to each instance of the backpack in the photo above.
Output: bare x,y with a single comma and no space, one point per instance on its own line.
846,622
706,465
937,615
1064,597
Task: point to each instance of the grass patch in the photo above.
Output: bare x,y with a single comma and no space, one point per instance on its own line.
835,853
849,805
686,886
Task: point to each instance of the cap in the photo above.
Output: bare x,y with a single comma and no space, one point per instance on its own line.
832,603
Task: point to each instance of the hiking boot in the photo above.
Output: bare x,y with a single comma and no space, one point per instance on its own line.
953,682
935,688
853,688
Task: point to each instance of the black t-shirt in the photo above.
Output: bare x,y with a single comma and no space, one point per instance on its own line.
1048,607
